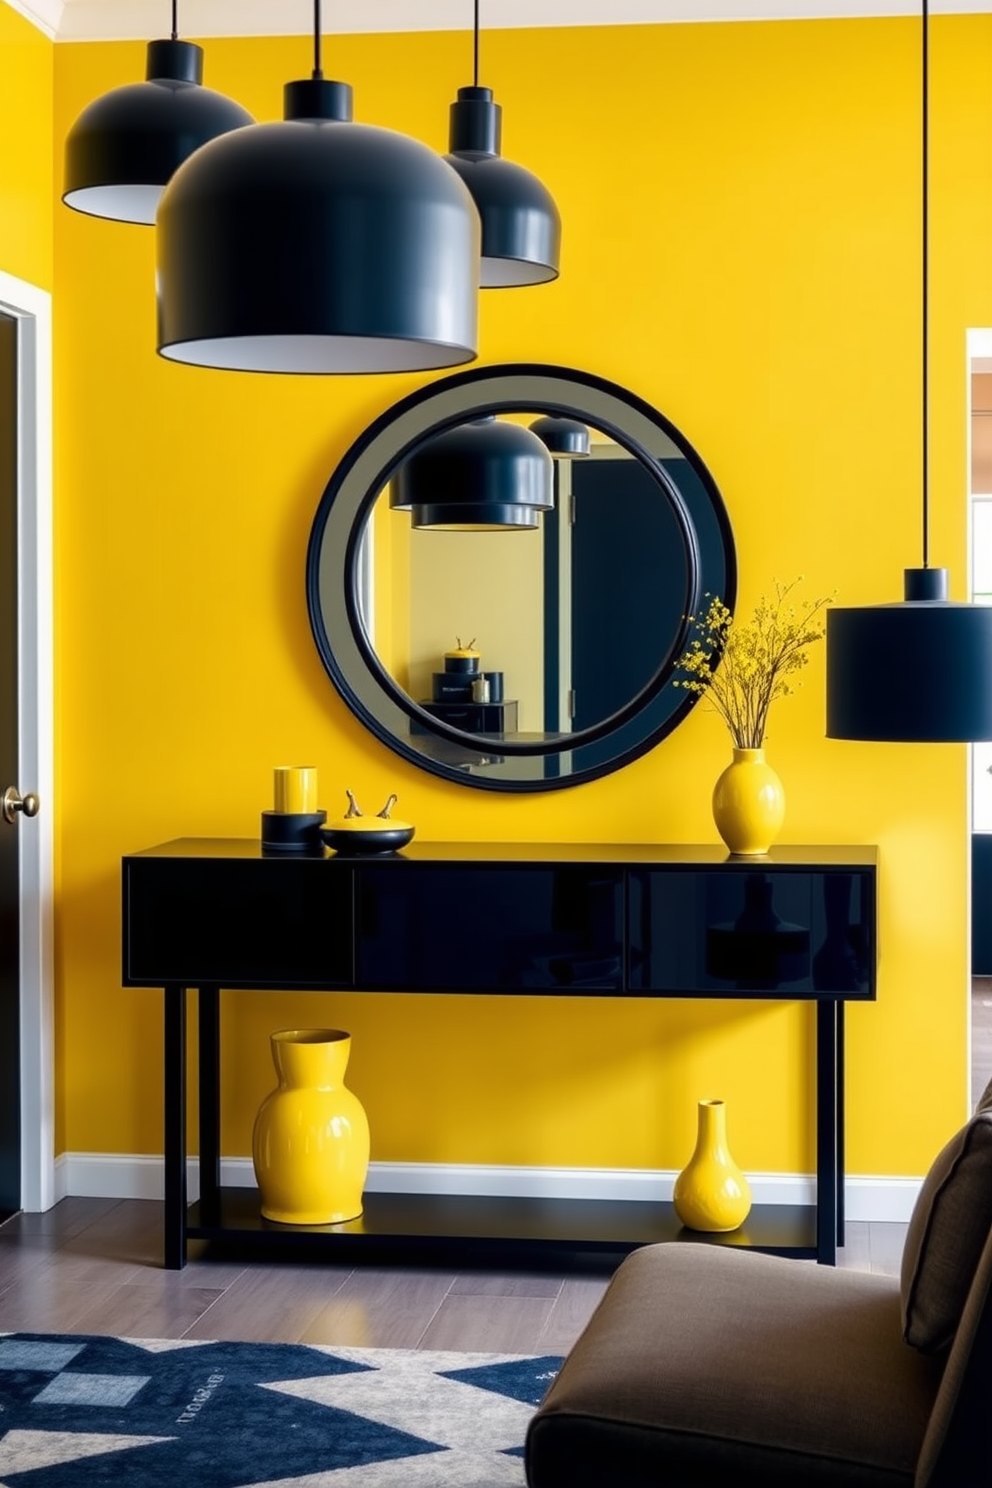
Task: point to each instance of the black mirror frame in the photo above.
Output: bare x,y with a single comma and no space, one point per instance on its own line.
359,479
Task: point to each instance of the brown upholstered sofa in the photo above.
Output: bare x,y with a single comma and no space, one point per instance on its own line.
705,1365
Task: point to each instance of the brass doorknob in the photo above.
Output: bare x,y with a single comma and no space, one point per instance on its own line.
13,802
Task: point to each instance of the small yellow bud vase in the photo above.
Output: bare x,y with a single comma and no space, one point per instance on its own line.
310,1145
749,804
711,1193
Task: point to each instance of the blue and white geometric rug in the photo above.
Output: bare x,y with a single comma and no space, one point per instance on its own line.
84,1412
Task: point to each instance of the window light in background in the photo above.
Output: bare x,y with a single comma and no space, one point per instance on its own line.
318,245
126,145
981,546
521,227
917,671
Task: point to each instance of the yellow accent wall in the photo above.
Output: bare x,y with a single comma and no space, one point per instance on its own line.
741,211
26,121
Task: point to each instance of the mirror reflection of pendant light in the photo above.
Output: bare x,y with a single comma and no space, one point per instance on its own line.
521,228
919,670
483,476
564,438
318,245
125,146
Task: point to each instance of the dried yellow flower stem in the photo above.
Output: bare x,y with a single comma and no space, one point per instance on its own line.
742,669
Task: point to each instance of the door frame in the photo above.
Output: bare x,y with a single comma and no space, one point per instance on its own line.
31,307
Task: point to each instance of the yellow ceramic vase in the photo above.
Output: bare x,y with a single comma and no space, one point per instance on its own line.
711,1193
749,804
310,1145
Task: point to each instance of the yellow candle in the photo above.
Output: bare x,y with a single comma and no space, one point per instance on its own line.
296,788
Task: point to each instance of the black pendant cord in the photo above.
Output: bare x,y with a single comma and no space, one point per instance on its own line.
926,287
175,20
317,28
475,47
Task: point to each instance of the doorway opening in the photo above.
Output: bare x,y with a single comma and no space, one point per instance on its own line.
27,321
980,533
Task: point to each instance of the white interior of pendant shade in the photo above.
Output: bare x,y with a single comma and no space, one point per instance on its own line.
530,524
510,273
292,353
120,203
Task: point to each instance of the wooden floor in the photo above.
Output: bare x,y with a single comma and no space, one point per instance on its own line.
94,1266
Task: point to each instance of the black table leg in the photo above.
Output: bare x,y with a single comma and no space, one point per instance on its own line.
175,1127
209,1090
840,1123
826,1132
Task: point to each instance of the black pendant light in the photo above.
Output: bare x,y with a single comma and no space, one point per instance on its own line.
318,245
484,476
125,146
919,670
563,438
521,228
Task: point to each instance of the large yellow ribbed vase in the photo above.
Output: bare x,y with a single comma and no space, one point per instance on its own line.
711,1193
310,1145
749,804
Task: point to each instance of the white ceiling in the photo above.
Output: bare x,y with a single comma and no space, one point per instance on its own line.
101,20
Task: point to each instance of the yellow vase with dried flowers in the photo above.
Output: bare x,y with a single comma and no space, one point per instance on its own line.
741,668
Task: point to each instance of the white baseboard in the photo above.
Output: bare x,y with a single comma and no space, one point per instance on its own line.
122,1176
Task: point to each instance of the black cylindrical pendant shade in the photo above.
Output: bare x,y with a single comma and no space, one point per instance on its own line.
478,477
564,438
318,245
916,672
125,146
521,226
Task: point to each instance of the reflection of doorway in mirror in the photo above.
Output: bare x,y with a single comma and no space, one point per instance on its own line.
614,582
485,587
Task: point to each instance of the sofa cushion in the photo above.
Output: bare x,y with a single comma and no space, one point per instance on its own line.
949,1226
705,1364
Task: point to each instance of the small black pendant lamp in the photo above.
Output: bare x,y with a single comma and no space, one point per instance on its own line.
125,146
484,476
918,671
564,438
521,228
318,245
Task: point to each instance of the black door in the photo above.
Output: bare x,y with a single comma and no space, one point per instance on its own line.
628,584
10,1039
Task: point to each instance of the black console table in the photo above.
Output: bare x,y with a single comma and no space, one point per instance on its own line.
569,920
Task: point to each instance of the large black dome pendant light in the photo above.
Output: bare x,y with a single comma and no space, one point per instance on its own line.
125,146
521,228
919,670
483,476
318,245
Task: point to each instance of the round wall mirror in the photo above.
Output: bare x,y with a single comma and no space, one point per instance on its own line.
508,651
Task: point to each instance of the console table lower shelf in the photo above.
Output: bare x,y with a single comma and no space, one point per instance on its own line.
464,1227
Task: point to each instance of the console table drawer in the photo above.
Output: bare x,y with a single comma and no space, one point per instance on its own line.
497,929
272,923
743,931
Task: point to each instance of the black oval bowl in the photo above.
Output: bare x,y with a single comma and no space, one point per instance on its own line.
382,839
